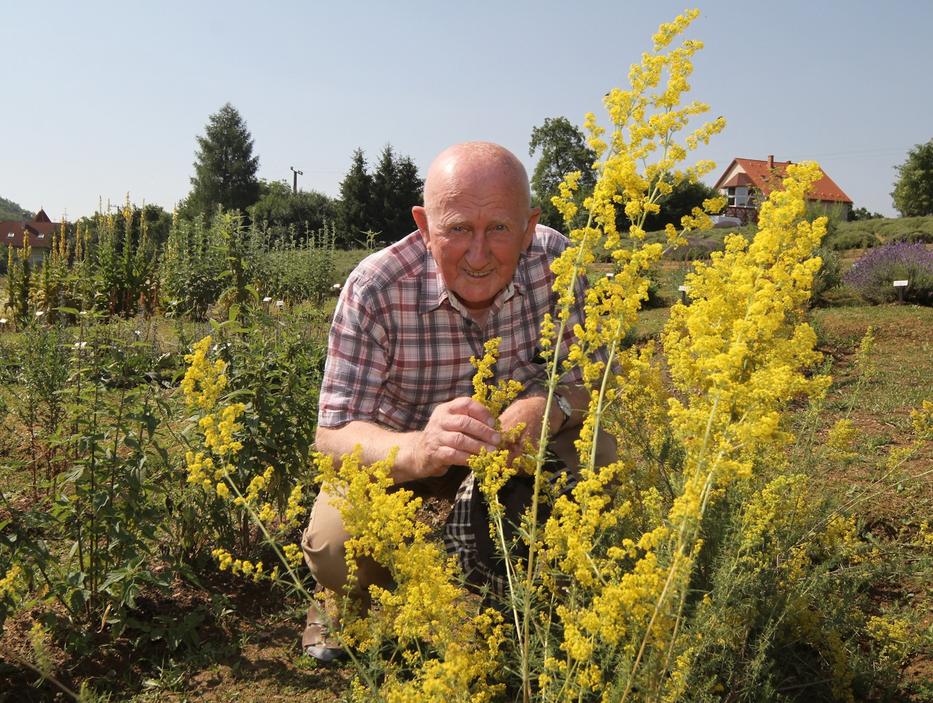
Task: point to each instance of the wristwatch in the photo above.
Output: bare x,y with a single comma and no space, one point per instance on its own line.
564,406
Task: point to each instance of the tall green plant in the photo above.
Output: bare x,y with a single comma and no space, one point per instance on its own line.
193,266
19,281
89,537
124,263
43,373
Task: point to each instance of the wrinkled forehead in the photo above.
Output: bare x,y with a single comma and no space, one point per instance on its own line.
455,184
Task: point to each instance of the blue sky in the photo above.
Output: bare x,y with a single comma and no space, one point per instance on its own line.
105,98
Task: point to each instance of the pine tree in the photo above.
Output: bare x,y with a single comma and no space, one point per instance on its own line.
225,168
382,203
409,191
396,188
355,193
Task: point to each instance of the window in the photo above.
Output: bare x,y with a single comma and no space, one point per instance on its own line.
739,196
41,236
9,235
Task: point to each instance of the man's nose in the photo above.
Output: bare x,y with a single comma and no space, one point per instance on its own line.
477,255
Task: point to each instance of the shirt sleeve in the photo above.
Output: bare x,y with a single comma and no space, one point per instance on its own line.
575,375
356,366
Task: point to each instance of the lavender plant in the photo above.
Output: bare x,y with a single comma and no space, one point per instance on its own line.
873,275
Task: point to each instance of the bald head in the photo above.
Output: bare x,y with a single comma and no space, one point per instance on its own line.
477,220
464,168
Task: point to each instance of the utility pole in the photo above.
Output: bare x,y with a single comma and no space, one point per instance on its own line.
295,175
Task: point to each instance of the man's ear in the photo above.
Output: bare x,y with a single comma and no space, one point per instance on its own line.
421,219
533,218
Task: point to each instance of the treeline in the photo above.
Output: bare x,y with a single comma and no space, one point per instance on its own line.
13,211
374,208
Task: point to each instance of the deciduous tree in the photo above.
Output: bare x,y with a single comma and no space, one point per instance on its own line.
913,192
679,202
563,150
282,210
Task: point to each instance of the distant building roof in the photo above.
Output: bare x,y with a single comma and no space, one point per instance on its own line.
765,175
39,230
739,179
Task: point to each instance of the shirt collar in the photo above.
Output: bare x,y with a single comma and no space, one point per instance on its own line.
433,290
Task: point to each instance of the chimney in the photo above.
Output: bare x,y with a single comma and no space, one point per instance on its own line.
770,162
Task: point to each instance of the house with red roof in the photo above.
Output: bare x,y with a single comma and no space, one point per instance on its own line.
37,231
748,182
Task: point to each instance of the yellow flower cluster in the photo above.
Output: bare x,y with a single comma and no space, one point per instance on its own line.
218,435
256,486
293,554
203,381
424,611
739,350
294,510
576,525
494,469
226,561
767,513
922,420
203,472
864,363
202,385
265,511
10,583
639,162
214,469
840,440
894,638
924,535
737,356
494,397
813,628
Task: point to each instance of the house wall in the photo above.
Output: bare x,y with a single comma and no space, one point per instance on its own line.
734,169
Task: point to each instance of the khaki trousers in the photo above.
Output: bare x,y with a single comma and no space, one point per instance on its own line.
323,540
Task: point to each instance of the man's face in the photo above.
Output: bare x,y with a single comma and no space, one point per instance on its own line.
476,228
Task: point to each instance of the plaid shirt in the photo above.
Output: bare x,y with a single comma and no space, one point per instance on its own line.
400,344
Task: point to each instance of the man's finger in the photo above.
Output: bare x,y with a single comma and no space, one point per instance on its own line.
462,443
471,427
450,456
468,406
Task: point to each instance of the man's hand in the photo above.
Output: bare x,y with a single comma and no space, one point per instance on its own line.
529,410
456,431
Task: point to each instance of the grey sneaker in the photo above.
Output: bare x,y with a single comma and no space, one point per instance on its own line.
317,641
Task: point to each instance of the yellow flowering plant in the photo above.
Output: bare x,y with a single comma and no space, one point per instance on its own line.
255,504
673,571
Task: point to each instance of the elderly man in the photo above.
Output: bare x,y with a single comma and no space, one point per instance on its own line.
398,370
